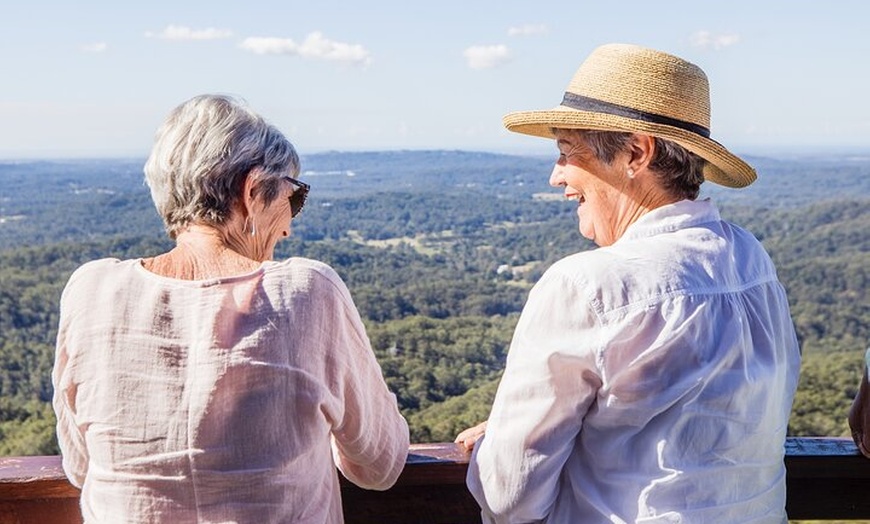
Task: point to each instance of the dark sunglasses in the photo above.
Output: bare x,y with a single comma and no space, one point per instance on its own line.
300,193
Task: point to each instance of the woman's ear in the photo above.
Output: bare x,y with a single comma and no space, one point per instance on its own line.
247,198
641,150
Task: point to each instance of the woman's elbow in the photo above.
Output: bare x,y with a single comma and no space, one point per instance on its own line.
504,495
380,475
385,465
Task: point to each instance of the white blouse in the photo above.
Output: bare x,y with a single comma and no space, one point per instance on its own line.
650,381
225,400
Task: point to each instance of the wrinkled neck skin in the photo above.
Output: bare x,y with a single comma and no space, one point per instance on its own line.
204,252
237,235
638,196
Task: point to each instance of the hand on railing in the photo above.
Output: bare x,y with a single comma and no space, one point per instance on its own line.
859,416
468,438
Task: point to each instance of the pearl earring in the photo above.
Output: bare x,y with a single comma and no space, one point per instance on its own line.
630,172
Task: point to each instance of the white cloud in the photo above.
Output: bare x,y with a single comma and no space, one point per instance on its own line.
487,57
94,47
180,32
528,30
315,46
707,40
262,45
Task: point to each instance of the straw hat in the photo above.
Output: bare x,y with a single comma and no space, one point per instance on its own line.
624,87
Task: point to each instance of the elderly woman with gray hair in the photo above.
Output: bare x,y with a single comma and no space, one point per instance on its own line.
650,379
210,383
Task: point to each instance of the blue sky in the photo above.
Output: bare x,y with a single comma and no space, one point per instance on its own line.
95,78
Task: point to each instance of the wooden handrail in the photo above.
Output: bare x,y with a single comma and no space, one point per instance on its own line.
827,479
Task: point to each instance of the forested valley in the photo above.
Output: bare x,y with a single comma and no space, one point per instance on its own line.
439,250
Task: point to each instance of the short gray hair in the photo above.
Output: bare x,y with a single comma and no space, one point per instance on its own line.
202,154
679,171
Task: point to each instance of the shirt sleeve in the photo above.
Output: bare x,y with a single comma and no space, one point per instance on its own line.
69,435
549,383
370,437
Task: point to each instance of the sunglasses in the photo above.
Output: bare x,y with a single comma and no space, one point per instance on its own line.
300,193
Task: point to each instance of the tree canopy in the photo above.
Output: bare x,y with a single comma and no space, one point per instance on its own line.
439,259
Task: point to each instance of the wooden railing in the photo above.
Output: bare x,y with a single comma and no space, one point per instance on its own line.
827,480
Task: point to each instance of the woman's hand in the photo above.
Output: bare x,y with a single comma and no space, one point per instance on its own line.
468,438
859,417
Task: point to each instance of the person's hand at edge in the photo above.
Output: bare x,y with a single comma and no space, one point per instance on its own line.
859,416
468,438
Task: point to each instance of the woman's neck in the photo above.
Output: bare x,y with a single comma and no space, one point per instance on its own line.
201,253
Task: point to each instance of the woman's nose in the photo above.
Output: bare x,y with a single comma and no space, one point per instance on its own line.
557,178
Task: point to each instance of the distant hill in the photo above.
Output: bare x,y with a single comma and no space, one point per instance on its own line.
89,199
790,182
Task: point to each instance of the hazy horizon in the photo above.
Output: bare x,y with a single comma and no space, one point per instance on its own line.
773,152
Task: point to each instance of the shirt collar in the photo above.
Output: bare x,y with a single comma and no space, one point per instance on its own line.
672,217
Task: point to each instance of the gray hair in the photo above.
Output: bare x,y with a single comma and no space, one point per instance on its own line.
679,171
202,154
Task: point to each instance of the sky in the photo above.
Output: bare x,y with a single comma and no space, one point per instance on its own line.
96,78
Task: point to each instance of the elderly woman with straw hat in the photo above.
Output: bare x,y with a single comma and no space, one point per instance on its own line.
211,383
651,379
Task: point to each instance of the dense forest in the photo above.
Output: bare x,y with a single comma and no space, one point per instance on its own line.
439,249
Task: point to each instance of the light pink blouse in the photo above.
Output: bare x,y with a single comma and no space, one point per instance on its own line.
226,400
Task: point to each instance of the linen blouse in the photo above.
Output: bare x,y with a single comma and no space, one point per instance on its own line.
223,400
650,381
